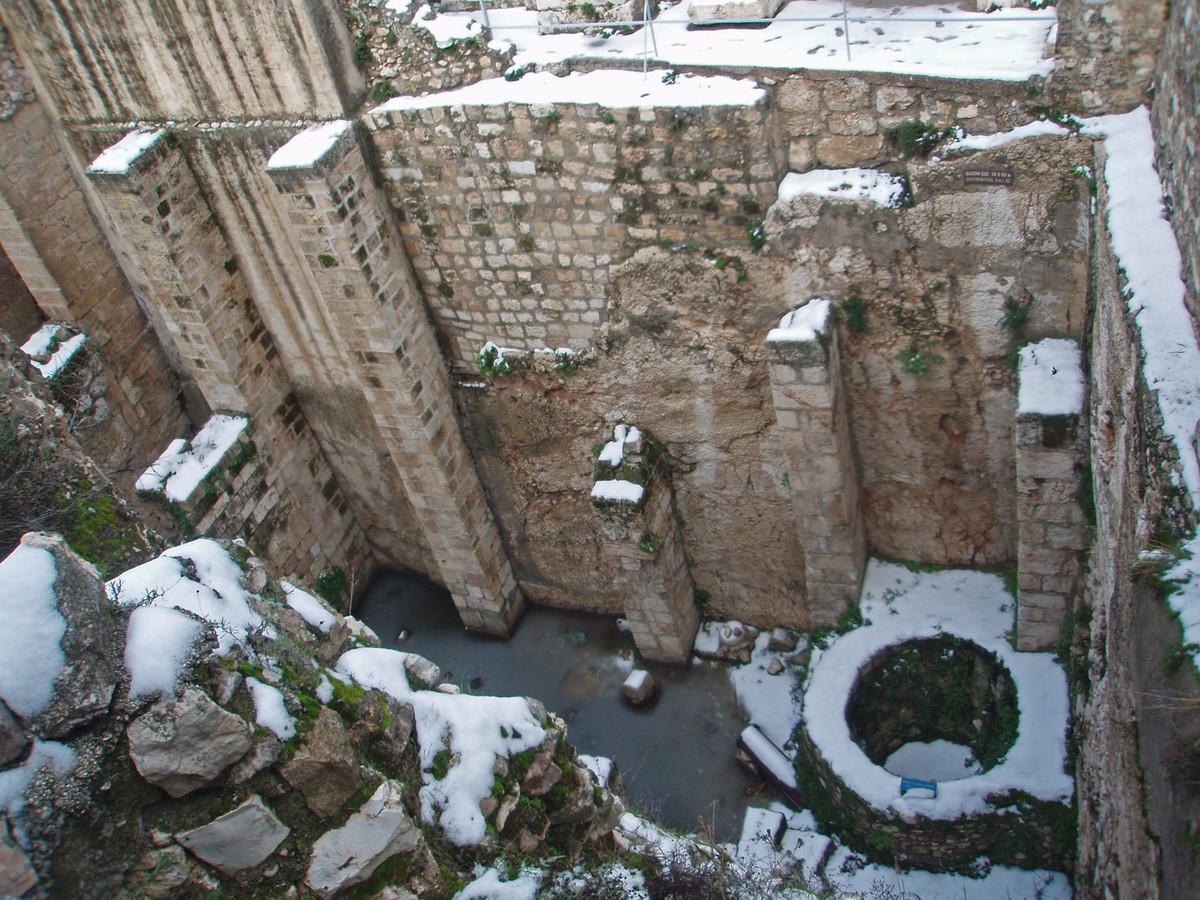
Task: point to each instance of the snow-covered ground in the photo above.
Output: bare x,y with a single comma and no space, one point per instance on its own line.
1008,45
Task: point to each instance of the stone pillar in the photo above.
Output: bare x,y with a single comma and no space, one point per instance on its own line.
177,256
361,275
635,503
1051,454
28,262
814,431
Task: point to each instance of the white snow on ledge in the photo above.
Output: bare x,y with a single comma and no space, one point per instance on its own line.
307,148
802,325
611,88
617,491
844,184
1051,378
47,355
117,159
992,141
901,606
182,466
614,451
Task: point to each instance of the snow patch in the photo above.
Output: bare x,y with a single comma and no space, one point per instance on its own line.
992,141
446,30
47,354
849,185
474,730
182,466
158,641
614,451
307,147
33,628
269,709
617,490
15,782
117,159
1051,378
802,325
312,610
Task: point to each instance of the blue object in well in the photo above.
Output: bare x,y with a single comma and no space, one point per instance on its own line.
916,784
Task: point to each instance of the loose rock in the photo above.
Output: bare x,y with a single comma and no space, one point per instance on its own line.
240,839
13,739
349,855
322,770
640,688
184,744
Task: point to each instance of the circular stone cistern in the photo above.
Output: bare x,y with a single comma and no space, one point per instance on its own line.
931,689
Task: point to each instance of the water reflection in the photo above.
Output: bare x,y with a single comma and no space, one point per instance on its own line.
677,758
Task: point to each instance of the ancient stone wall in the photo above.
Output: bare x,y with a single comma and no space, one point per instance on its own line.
177,254
145,60
1176,112
1105,53
834,119
514,213
48,232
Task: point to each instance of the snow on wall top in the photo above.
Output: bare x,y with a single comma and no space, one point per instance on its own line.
307,148
844,184
182,466
1051,378
804,324
920,40
611,88
117,159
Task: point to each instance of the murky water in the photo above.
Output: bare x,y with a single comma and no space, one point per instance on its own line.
677,758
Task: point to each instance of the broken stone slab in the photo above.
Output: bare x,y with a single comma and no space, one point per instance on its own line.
180,745
640,688
267,751
349,855
775,666
13,740
323,769
92,644
240,839
16,872
782,641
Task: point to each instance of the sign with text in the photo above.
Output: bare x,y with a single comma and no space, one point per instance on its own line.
988,176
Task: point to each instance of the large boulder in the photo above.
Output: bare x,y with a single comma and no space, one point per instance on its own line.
240,839
93,644
323,769
349,855
180,745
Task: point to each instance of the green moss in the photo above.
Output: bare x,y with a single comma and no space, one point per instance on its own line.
440,767
98,529
333,586
326,260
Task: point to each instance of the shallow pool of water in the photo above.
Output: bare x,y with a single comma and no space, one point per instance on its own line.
677,758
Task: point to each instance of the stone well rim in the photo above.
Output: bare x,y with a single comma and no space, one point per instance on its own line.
971,606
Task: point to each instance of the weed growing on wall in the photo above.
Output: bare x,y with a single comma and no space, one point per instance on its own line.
757,233
492,363
854,310
916,138
383,91
333,586
916,361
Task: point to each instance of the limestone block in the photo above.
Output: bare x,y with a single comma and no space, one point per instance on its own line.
240,839
846,94
800,107
349,855
840,151
184,744
701,10
323,768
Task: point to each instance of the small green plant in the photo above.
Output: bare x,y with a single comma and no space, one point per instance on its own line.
567,361
551,117
916,138
333,586
384,90
607,117
492,363
854,309
515,73
1016,316
679,121
526,244
441,764
757,234
363,57
445,289
326,260
916,361
700,597
650,541
589,10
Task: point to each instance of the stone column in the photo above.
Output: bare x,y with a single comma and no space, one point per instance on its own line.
635,502
814,431
359,270
1051,454
176,255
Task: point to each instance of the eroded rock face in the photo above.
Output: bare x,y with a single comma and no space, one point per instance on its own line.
349,855
13,739
93,643
240,839
184,744
323,769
